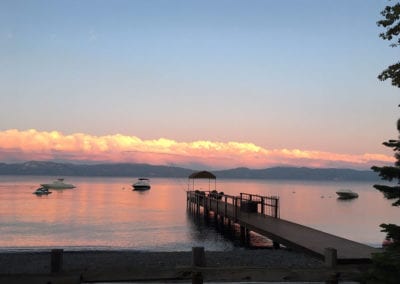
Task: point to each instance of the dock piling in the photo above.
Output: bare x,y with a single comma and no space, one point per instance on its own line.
330,257
56,261
198,256
198,259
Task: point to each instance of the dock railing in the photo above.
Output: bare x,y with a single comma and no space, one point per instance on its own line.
266,205
223,203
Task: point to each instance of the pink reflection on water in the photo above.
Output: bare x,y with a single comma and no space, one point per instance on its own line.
106,212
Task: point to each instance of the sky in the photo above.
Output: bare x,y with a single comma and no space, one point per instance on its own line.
203,84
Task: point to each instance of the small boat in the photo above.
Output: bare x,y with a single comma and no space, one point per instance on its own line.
58,184
42,191
141,184
346,194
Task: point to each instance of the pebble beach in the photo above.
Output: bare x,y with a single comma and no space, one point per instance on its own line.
28,262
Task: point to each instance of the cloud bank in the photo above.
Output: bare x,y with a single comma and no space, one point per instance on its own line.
19,146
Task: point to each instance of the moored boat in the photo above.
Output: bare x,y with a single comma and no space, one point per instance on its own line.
141,184
346,194
58,184
42,191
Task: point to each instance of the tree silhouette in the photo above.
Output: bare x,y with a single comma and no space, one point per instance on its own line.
391,23
386,268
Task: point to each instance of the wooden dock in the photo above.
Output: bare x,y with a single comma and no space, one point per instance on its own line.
260,214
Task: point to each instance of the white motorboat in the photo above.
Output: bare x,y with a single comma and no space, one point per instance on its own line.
346,194
141,184
42,191
58,184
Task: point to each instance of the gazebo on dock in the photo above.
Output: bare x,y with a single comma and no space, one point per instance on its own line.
202,175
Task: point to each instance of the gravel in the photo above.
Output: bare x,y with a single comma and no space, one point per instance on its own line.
39,261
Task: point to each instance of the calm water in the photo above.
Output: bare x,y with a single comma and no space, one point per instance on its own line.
106,213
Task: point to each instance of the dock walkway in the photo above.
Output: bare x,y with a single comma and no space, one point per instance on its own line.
281,231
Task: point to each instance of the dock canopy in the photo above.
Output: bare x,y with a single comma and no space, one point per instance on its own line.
202,175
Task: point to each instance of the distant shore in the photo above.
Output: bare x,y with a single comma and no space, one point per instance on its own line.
43,168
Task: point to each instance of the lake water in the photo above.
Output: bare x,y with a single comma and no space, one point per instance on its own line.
104,213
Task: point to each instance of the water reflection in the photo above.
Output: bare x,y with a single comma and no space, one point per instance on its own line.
106,212
341,199
202,228
203,232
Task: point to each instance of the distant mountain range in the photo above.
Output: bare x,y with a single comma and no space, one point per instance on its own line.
145,170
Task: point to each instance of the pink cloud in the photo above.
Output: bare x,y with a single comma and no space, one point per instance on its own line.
16,145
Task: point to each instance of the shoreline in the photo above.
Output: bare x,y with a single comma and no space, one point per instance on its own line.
238,265
34,262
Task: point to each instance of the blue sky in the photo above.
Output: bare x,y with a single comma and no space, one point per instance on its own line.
279,74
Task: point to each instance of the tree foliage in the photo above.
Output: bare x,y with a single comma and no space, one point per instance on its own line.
391,22
386,267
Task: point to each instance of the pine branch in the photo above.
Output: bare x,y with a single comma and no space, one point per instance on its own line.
392,72
387,172
390,192
393,232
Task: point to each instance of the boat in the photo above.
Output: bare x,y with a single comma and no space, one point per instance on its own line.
141,184
58,184
42,191
346,194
